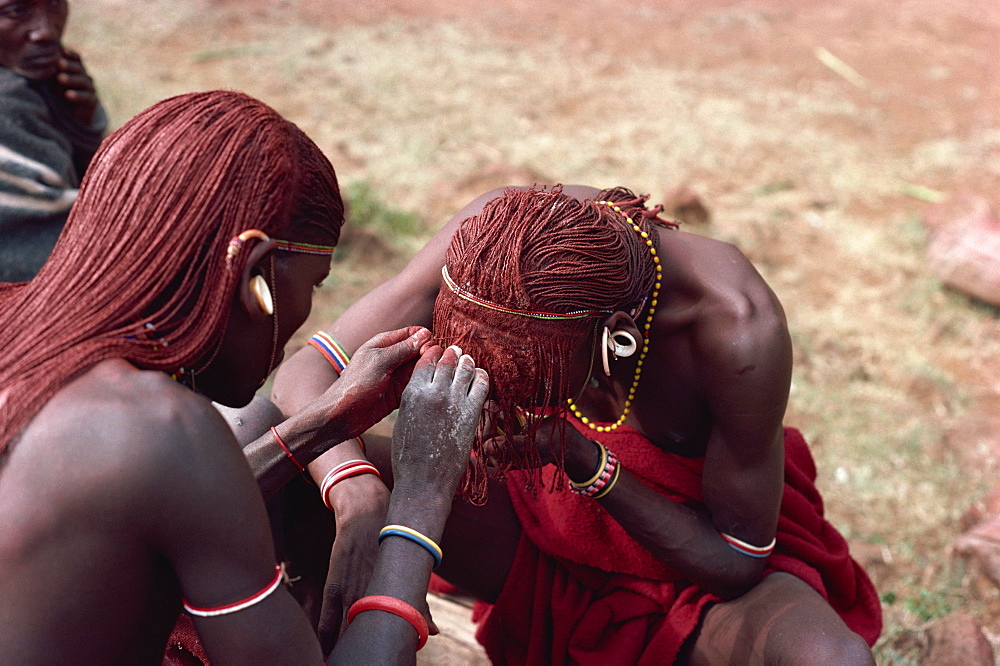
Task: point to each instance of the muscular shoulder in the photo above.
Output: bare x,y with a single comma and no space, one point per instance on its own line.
736,323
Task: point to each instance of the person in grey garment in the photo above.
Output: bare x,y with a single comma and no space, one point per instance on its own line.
51,123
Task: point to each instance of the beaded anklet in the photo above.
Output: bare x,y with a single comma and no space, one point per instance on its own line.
653,301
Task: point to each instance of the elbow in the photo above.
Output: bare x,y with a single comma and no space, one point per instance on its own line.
739,580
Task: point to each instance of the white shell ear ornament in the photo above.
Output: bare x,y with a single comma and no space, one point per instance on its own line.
604,352
261,292
625,349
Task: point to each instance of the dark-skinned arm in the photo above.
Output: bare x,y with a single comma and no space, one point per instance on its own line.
368,392
742,480
207,517
430,451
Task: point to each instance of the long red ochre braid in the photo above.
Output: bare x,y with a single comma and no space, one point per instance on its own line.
140,270
540,250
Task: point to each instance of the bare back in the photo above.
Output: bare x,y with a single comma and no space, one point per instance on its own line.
96,498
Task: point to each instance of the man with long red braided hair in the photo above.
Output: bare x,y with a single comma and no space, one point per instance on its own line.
645,503
187,262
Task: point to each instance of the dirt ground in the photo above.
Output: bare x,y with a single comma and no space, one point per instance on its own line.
814,133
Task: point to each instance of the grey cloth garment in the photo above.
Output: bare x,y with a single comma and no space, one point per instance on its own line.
44,151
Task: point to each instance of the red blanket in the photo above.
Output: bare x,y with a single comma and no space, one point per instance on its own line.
582,591
184,646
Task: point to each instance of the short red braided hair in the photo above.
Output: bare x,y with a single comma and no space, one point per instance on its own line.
146,240
540,250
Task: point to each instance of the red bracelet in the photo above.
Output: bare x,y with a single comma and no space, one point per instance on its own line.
286,450
396,607
343,471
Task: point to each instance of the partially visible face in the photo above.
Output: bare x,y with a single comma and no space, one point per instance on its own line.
30,34
297,277
248,355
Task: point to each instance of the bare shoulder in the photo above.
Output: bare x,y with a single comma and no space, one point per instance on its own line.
735,319
126,422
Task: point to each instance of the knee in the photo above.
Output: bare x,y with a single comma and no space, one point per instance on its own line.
824,647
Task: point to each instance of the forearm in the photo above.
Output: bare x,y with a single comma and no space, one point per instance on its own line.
304,437
404,300
680,536
402,571
353,495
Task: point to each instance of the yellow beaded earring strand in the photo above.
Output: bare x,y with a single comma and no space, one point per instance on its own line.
645,334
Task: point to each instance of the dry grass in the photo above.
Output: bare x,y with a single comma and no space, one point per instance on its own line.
800,170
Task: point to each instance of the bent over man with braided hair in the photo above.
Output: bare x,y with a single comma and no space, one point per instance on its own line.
644,503
187,262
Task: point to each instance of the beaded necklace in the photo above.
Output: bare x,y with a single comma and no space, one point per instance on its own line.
645,334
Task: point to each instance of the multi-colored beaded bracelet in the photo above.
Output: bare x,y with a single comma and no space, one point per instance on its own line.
604,478
324,343
750,550
416,537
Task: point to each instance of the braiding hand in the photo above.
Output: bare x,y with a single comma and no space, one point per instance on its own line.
371,386
547,438
77,86
437,421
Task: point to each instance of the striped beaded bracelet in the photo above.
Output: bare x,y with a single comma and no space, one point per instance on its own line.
324,343
416,537
235,606
759,552
603,480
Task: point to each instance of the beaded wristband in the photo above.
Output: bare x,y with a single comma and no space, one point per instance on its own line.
226,609
344,470
602,453
759,552
415,537
324,343
287,451
611,484
603,480
395,606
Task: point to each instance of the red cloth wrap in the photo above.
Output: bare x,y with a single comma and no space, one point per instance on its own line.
581,590
184,646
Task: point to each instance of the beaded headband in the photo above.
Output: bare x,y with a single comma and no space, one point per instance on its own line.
482,302
237,243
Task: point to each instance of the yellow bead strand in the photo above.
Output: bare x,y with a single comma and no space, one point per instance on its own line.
645,334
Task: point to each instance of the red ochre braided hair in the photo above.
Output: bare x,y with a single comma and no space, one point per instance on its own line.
542,251
139,271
